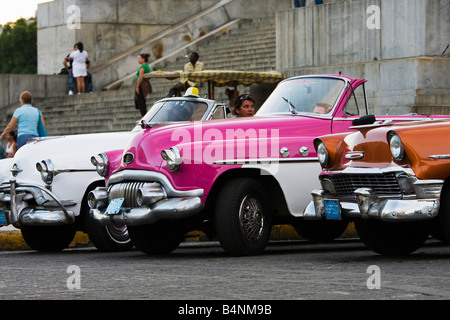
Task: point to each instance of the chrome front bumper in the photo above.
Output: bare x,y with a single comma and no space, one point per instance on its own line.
148,198
368,205
14,198
175,208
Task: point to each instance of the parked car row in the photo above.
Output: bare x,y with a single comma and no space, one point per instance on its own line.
232,179
235,178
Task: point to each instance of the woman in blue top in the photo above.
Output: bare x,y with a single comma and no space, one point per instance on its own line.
26,118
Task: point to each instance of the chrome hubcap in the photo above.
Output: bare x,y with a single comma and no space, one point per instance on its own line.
251,218
119,235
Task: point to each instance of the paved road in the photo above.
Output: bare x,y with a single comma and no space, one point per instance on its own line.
202,271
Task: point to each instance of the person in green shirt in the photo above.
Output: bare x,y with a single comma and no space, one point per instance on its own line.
143,87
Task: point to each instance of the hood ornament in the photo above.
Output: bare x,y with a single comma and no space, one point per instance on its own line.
356,155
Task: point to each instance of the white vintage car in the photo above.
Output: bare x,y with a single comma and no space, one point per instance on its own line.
44,188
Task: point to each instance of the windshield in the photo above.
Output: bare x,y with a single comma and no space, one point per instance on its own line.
304,95
176,110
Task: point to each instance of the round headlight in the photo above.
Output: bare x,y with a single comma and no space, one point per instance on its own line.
172,157
322,154
396,145
101,164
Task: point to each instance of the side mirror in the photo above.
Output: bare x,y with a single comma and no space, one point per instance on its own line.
364,120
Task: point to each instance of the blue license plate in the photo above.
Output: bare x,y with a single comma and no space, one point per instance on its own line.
3,219
332,210
114,206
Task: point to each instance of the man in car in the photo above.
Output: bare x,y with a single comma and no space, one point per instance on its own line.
244,106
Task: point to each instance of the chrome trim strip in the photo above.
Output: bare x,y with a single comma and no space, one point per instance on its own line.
440,157
381,118
391,169
264,161
58,171
151,176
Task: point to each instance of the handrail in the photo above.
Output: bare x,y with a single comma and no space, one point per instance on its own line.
159,36
228,24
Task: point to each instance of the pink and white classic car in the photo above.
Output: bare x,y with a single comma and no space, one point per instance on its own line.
232,178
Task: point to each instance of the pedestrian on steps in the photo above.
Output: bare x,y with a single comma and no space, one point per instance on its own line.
79,57
27,119
143,87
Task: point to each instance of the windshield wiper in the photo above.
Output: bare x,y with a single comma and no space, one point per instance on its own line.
291,106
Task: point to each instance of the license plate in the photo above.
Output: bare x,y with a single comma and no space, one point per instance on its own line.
114,206
332,210
2,218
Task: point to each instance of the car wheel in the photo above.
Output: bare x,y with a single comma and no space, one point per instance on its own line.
48,239
242,217
320,231
443,221
107,238
162,237
392,238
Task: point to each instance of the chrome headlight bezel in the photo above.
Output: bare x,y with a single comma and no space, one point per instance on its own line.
47,171
128,158
172,156
396,146
322,154
101,163
98,198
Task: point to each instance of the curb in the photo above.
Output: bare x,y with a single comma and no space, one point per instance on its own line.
13,240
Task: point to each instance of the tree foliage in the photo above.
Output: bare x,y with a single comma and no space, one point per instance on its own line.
18,48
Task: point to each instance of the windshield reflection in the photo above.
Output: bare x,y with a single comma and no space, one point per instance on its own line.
176,110
315,96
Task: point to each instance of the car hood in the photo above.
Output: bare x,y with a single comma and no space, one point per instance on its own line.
231,139
66,152
370,146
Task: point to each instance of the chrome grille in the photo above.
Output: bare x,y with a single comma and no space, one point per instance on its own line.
383,184
126,190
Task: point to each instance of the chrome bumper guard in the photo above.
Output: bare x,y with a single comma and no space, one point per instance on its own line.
13,200
368,205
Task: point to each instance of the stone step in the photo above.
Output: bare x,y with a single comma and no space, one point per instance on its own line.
250,47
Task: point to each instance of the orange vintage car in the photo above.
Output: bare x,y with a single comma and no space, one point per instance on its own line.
393,181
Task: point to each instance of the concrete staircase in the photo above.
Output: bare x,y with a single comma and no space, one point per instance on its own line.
89,113
251,47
